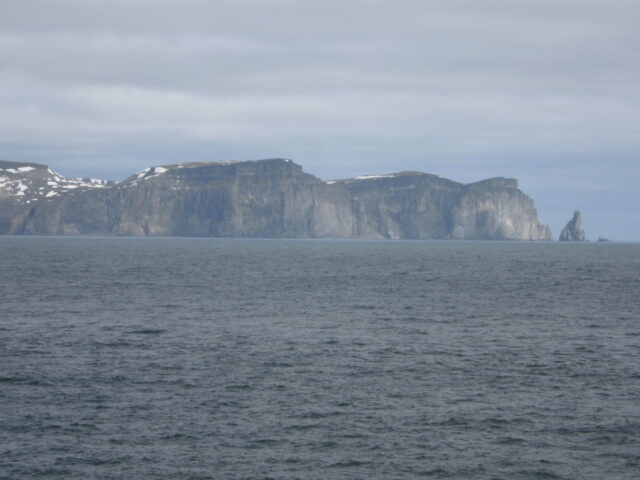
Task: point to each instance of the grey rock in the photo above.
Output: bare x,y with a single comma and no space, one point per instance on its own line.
265,198
573,231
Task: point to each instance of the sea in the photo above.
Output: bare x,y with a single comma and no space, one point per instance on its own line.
185,358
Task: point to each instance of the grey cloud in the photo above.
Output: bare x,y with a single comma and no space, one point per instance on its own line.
462,88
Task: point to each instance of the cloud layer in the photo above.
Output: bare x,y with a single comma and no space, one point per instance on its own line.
545,91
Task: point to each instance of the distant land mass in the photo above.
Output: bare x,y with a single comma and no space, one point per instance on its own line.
271,198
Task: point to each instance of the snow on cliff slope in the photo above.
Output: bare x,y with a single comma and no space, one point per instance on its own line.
27,183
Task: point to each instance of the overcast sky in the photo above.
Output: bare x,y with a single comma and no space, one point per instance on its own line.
546,91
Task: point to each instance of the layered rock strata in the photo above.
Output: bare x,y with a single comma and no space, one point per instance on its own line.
265,198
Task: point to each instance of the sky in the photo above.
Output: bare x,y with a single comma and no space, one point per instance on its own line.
545,91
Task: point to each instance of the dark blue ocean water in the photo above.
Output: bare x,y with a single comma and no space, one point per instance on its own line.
254,359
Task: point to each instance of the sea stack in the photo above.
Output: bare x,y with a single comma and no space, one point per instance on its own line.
573,231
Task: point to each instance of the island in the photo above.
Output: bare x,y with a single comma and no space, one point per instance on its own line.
272,198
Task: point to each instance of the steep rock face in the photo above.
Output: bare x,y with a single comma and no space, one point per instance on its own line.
402,205
495,209
268,198
24,185
573,231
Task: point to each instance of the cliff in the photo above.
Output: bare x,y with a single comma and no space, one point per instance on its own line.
265,198
574,231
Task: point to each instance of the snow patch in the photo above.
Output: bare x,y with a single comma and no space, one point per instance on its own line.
149,172
87,182
362,177
24,189
370,177
142,173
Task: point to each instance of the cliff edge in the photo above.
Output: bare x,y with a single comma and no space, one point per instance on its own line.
271,198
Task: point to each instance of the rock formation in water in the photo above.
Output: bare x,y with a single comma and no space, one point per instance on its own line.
573,231
264,198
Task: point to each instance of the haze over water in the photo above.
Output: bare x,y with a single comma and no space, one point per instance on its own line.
249,359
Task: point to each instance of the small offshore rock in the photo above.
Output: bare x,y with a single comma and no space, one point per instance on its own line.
573,231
